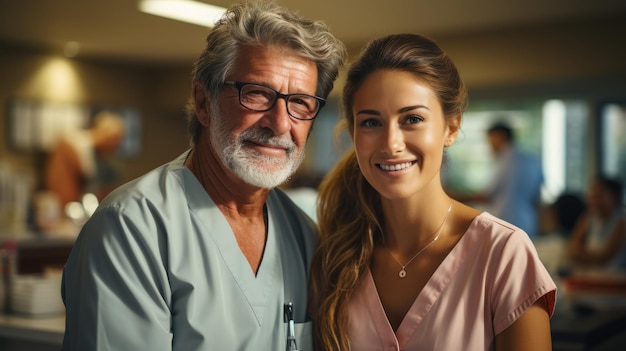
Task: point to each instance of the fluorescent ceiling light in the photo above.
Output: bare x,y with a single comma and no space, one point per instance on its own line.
183,10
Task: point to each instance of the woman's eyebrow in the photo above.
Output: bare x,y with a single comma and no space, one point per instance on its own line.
368,112
410,108
402,110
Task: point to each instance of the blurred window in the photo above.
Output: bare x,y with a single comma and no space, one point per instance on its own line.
612,152
553,130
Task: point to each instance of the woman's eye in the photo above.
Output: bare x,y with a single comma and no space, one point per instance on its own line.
413,119
369,123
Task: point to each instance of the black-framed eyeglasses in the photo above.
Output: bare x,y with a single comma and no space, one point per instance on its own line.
260,98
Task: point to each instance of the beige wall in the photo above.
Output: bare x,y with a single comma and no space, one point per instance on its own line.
539,56
544,56
548,52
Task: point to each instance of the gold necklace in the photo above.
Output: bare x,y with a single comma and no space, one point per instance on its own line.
402,272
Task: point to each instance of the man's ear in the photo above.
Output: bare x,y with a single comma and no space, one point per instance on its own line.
201,103
453,126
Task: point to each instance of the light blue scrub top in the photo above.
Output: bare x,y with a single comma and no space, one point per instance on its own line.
516,189
157,267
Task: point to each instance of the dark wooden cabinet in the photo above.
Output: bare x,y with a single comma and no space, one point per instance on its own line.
35,259
35,254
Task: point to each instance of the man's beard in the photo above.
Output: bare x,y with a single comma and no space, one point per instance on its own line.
251,166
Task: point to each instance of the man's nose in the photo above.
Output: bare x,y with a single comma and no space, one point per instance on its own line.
277,118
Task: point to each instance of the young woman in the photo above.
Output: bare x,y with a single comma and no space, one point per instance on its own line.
599,237
401,265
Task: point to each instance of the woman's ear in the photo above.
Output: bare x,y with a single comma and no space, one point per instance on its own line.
201,103
453,125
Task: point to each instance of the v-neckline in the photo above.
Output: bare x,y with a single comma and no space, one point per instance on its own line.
258,288
425,299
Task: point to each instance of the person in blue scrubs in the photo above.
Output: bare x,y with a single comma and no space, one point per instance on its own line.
514,191
204,252
516,188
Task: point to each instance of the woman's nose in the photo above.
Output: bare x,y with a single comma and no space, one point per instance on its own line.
394,140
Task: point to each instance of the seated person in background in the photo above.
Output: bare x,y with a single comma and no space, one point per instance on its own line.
599,236
565,211
557,222
73,165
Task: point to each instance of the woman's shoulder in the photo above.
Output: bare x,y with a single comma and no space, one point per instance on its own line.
497,228
487,229
467,219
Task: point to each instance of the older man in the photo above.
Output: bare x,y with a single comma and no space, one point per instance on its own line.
204,253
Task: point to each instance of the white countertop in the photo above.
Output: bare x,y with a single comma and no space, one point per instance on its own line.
43,329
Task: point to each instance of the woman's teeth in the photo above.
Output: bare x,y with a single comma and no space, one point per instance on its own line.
395,167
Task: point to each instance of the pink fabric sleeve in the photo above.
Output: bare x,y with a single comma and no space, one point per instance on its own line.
520,280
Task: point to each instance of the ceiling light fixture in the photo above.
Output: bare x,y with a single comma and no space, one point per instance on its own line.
195,12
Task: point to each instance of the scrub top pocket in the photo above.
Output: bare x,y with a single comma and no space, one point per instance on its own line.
304,335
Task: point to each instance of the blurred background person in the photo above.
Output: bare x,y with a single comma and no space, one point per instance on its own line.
514,192
599,237
563,214
557,222
80,162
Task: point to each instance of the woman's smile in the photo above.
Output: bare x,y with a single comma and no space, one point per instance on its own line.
395,167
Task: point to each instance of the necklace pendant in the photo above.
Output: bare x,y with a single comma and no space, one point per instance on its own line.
402,273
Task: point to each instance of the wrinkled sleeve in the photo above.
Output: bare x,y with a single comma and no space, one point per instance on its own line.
115,285
520,281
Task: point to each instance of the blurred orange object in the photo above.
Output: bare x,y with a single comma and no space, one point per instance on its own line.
596,281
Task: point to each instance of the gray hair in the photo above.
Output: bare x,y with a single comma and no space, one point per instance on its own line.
261,24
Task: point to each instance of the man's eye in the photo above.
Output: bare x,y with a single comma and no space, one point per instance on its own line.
257,92
302,103
257,96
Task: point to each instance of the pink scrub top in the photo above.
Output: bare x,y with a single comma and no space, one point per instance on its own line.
489,279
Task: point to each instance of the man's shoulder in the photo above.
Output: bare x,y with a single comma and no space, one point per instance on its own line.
526,155
280,198
296,226
152,186
289,213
